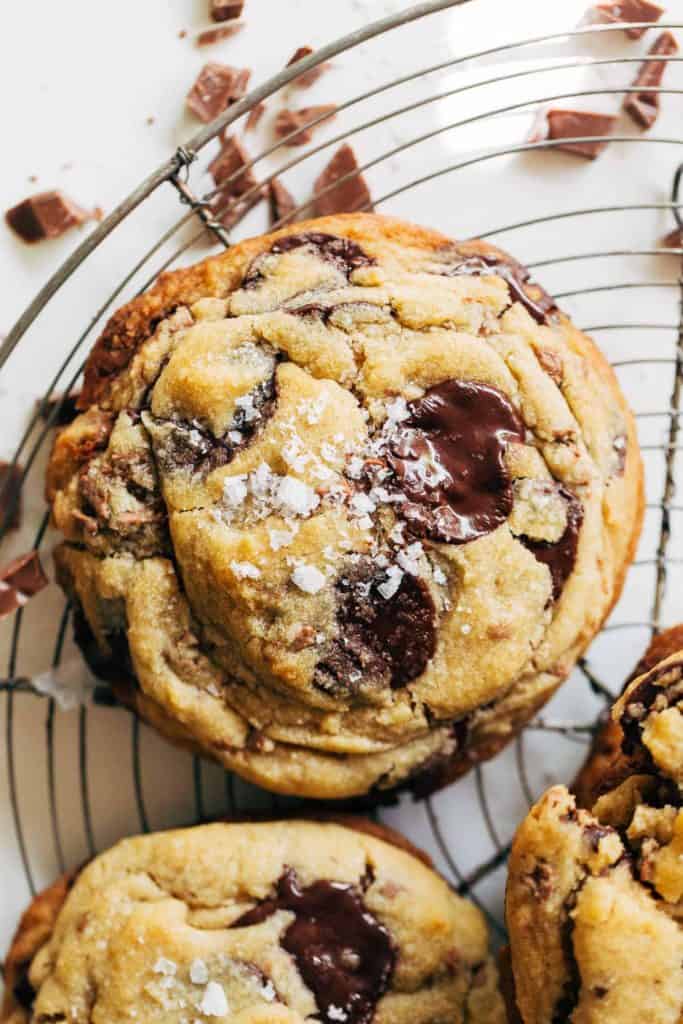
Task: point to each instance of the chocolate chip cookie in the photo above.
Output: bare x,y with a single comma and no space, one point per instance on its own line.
255,923
594,895
344,504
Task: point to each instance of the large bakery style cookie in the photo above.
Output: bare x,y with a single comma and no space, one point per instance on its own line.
288,921
344,504
594,895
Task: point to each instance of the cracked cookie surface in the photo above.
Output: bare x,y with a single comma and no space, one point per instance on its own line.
255,923
344,504
594,894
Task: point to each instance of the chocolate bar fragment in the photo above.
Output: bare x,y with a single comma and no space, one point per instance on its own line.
630,10
45,215
60,409
216,88
255,115
288,121
10,496
230,173
643,107
307,78
574,124
674,240
217,35
226,10
350,195
282,202
21,580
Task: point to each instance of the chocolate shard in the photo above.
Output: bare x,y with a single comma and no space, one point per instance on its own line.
60,409
674,240
255,115
20,581
307,78
45,215
282,202
216,88
574,124
217,35
643,107
349,195
10,495
235,178
630,10
296,123
226,10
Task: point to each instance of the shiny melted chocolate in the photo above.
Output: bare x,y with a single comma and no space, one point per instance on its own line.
344,955
344,254
448,457
535,299
560,556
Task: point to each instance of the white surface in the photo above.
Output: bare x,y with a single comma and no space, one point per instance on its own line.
82,83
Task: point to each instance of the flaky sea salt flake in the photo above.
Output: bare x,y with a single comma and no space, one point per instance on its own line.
214,1003
199,972
308,578
245,570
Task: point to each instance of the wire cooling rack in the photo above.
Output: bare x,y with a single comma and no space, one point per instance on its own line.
442,144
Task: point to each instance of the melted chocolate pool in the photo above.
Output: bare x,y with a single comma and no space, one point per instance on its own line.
344,955
448,457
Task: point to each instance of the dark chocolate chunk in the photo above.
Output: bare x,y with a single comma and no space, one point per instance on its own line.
254,116
216,88
348,196
11,475
294,127
217,35
45,215
282,202
574,124
644,106
60,409
234,178
307,78
535,299
22,579
344,955
630,10
23,991
448,460
343,253
382,641
226,10
560,555
640,701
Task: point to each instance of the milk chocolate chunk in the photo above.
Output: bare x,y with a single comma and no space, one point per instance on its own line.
571,125
45,215
298,122
532,296
282,202
560,556
643,107
235,179
254,116
349,196
216,35
307,78
448,457
226,10
630,10
20,580
216,88
10,495
344,955
674,240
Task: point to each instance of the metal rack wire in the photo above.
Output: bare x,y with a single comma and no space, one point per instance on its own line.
179,173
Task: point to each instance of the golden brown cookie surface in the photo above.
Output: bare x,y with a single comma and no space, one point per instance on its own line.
345,505
277,921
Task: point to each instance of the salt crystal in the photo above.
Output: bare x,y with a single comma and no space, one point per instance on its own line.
355,467
164,966
235,489
199,972
313,410
214,1003
246,404
439,575
235,437
362,504
268,991
465,628
296,497
392,582
308,578
261,480
408,558
365,523
281,538
396,534
328,451
336,1013
245,570
294,456
397,410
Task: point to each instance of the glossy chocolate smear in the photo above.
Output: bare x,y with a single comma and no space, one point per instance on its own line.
344,955
383,641
342,253
448,458
535,299
560,555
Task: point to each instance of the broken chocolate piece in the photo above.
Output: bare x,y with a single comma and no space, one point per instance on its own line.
349,195
630,10
307,78
217,35
60,409
228,205
45,215
644,106
448,457
226,10
298,122
344,955
560,555
255,115
532,296
216,88
19,581
383,641
574,124
282,202
10,495
674,240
